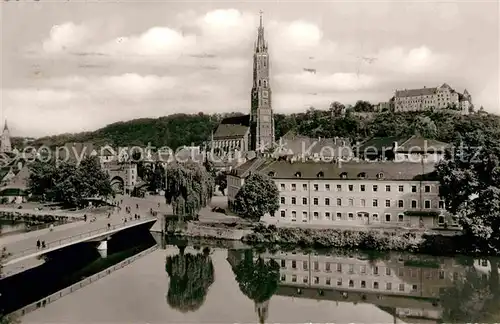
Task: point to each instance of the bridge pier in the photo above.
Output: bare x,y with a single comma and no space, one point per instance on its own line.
103,246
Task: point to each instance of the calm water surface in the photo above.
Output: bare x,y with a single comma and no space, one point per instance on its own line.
205,283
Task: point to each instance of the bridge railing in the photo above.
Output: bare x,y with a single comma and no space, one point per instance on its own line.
73,238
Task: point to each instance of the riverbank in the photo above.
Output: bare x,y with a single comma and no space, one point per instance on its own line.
380,239
414,241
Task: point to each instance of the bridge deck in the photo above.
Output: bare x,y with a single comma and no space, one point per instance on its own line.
75,239
17,245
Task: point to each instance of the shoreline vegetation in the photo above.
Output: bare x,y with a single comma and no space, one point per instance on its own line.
377,240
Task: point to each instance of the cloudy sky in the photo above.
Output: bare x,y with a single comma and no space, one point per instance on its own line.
70,66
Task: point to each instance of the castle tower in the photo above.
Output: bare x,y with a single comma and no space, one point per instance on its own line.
262,310
5,145
261,114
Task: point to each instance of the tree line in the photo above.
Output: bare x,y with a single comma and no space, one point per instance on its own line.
177,130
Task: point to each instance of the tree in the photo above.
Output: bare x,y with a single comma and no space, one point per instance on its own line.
258,280
258,196
336,109
474,298
425,127
221,181
190,277
68,183
470,185
189,188
158,178
363,106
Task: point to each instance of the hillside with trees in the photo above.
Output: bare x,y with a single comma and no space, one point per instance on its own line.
183,129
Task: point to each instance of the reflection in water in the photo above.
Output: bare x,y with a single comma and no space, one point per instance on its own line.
409,287
190,277
475,296
258,279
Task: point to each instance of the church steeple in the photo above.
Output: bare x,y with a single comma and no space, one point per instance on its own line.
261,45
5,144
262,119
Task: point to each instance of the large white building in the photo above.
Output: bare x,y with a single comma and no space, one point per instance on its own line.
402,194
439,98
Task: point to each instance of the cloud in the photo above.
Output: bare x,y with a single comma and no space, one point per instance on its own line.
65,37
322,82
128,86
415,60
196,61
157,41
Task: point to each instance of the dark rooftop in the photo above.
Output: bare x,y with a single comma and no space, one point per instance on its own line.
346,171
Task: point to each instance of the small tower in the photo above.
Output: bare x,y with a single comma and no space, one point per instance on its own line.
5,145
262,310
261,112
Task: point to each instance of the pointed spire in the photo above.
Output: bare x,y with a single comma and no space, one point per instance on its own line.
260,45
5,128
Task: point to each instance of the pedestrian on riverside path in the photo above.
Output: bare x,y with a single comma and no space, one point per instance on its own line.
43,244
109,225
136,206
85,218
38,244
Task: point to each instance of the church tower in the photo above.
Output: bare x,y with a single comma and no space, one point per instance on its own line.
261,114
5,145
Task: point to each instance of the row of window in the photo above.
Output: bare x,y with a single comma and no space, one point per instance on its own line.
339,216
350,202
363,269
350,187
351,284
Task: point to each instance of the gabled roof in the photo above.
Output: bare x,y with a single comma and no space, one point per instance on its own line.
379,145
416,92
233,127
351,170
228,131
249,166
298,145
417,144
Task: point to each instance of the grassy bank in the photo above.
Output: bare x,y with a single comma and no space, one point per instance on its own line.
369,239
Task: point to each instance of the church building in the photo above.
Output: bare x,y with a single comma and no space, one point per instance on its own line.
253,132
5,144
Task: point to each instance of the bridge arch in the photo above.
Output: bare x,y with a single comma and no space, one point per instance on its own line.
118,184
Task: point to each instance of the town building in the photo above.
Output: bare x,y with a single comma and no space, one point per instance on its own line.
253,132
382,193
437,98
118,164
407,289
5,144
402,148
294,146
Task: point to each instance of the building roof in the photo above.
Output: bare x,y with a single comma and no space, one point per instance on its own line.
421,144
379,170
298,145
378,145
233,127
415,92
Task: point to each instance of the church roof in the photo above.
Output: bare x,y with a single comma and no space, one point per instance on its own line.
233,127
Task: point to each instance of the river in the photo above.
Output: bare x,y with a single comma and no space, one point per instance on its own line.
209,282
